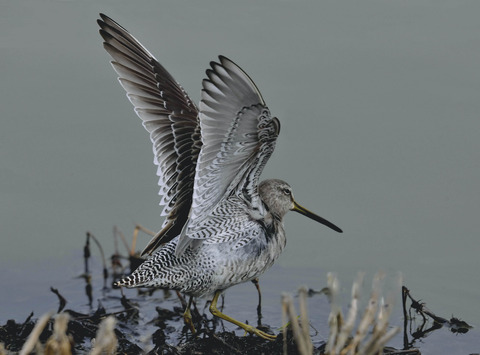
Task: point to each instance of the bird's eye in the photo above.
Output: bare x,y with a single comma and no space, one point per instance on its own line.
287,191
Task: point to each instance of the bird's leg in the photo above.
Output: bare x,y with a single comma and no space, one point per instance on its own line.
246,327
187,316
196,312
259,307
182,299
223,302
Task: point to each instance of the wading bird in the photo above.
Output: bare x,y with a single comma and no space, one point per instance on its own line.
222,227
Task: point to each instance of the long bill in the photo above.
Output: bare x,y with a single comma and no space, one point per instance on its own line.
307,213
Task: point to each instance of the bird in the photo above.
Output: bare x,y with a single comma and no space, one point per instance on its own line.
222,226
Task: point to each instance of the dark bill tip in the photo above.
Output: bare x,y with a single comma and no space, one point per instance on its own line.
307,213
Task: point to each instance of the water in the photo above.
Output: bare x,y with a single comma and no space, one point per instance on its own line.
378,102
64,274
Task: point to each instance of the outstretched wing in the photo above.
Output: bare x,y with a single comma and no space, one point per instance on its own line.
238,135
169,116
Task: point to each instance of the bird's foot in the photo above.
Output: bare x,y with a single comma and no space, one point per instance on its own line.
258,332
248,328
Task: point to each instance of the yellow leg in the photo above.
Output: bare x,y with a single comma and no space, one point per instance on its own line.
187,316
246,327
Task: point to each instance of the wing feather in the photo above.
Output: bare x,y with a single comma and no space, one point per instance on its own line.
238,135
168,115
209,161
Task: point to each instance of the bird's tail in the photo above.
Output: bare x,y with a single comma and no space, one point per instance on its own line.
161,269
134,280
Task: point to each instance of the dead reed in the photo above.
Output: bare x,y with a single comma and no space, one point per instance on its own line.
367,336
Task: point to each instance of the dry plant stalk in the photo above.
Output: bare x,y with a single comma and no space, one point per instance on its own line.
300,329
59,343
138,228
370,335
335,319
344,329
106,341
32,341
375,317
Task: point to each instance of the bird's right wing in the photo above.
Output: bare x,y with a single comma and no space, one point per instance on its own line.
238,135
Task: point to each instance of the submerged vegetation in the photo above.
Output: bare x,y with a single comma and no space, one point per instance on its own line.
116,328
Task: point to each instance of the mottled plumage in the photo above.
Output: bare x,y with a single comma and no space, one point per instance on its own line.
222,227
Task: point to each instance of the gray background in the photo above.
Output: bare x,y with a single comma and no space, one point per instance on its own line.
379,105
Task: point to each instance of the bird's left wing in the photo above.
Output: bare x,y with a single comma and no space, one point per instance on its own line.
170,117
